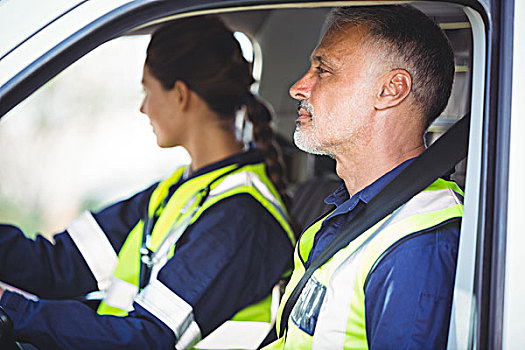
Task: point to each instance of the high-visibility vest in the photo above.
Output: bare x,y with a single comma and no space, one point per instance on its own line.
330,312
183,207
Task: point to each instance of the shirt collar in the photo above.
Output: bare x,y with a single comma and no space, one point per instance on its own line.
345,203
252,156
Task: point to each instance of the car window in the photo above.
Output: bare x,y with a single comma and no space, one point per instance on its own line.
80,141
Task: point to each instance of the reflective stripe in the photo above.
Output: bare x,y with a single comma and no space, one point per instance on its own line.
255,183
245,178
94,247
335,310
28,295
276,299
261,187
265,191
121,294
344,283
171,309
236,335
426,202
242,334
156,297
161,255
190,337
341,319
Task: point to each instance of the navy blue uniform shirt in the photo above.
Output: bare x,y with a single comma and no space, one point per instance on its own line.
229,258
408,295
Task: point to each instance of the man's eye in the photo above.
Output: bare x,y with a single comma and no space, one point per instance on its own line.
321,70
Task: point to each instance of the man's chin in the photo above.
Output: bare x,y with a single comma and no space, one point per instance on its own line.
304,143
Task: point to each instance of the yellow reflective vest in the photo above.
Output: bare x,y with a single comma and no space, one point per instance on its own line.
175,214
330,315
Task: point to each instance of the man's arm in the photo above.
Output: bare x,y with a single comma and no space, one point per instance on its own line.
408,297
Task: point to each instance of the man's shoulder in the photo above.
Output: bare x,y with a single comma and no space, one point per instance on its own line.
435,248
412,285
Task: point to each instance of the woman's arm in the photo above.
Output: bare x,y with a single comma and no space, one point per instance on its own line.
230,258
227,260
78,261
41,267
67,324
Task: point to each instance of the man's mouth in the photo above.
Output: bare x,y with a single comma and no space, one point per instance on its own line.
303,111
303,115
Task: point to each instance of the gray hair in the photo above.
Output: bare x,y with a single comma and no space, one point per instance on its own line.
410,40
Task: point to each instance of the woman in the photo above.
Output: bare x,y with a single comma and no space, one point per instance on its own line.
185,255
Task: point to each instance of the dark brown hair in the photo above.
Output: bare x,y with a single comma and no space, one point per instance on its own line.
203,53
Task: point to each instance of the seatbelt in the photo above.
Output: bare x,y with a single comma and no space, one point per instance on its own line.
435,161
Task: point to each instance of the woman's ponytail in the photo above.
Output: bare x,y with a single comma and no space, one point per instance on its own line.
209,60
263,135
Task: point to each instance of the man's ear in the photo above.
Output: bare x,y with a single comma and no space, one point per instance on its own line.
181,93
395,87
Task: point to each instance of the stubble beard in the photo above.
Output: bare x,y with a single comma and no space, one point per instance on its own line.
307,140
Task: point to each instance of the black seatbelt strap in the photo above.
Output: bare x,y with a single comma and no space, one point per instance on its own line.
435,161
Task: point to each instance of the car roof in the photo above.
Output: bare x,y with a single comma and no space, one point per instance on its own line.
50,44
21,19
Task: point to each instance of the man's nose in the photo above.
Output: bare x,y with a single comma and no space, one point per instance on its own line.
301,89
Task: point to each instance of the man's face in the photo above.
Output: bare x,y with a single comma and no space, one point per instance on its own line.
336,95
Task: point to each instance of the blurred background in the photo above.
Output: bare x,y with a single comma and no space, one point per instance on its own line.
80,142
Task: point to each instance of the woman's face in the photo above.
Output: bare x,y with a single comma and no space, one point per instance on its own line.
161,106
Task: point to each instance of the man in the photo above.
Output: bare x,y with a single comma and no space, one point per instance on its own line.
378,78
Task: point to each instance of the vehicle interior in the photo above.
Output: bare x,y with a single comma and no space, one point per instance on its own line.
281,38
280,64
